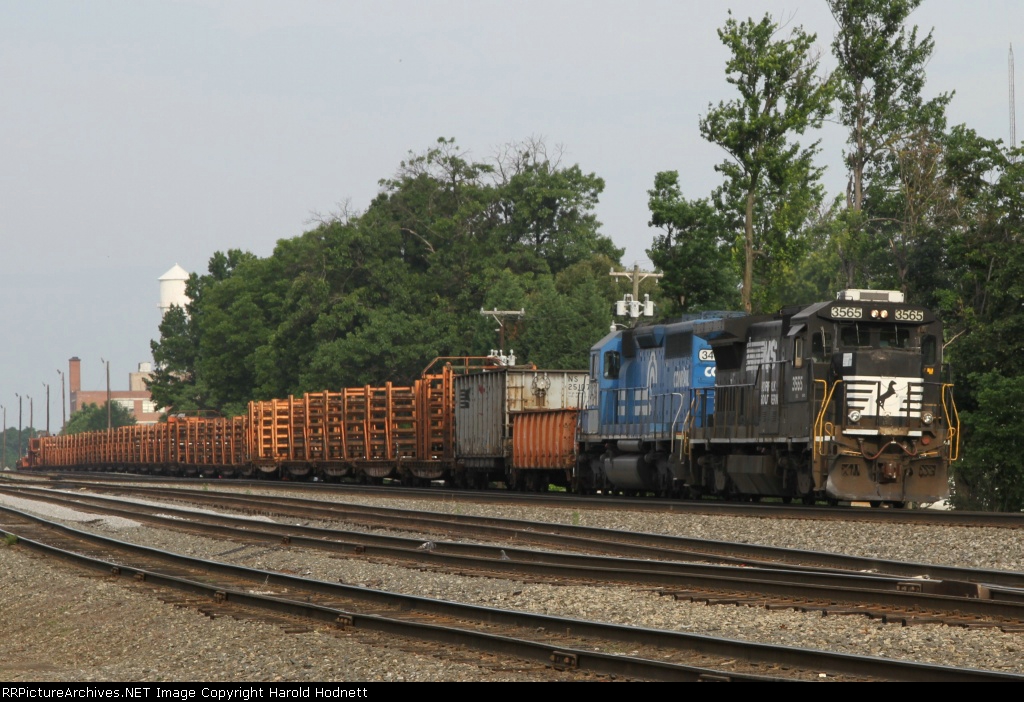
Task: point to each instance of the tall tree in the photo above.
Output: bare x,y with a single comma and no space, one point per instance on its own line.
374,296
879,80
694,250
772,183
893,138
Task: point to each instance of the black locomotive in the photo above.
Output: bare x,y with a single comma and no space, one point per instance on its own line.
840,400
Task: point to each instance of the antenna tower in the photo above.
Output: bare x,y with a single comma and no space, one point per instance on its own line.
1013,109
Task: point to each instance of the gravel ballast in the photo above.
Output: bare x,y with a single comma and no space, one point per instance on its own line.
63,626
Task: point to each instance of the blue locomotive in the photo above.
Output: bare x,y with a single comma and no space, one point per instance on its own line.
643,399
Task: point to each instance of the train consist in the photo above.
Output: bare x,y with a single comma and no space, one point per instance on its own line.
839,400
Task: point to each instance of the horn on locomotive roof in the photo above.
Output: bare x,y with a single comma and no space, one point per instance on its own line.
857,295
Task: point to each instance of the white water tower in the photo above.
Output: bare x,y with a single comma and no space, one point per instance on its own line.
172,289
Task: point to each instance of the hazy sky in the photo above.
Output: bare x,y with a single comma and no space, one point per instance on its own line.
137,134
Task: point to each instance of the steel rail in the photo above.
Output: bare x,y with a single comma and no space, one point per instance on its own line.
998,520
565,536
807,659
829,588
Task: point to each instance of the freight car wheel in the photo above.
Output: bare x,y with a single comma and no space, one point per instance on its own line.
533,482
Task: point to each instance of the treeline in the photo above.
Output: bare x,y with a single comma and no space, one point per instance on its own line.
11,441
932,209
372,297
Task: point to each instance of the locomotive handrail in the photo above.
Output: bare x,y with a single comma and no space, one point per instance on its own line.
952,423
819,446
675,419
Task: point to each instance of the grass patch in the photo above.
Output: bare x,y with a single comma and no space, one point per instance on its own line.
10,539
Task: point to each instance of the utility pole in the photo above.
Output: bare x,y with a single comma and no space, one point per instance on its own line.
631,305
4,464
1013,110
19,425
47,408
636,275
498,315
63,402
108,392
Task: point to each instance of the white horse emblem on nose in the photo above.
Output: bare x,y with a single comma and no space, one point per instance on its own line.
886,395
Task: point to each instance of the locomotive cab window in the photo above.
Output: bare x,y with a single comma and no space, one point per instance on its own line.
894,338
854,335
611,365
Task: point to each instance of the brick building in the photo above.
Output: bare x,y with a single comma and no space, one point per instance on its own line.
136,399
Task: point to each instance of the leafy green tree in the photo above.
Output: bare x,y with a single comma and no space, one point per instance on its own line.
879,79
982,285
12,442
893,137
772,184
93,417
178,382
991,476
374,296
693,251
172,384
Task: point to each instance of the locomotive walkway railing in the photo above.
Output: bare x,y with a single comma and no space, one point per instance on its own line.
952,421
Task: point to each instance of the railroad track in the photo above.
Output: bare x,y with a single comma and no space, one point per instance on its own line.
722,588
561,536
768,510
648,654
829,592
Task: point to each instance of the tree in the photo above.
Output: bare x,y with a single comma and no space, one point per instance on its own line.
990,476
893,137
93,417
373,297
771,182
16,441
178,383
981,287
694,251
878,81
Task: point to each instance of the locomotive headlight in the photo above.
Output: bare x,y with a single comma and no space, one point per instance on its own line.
874,314
854,416
927,418
885,313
